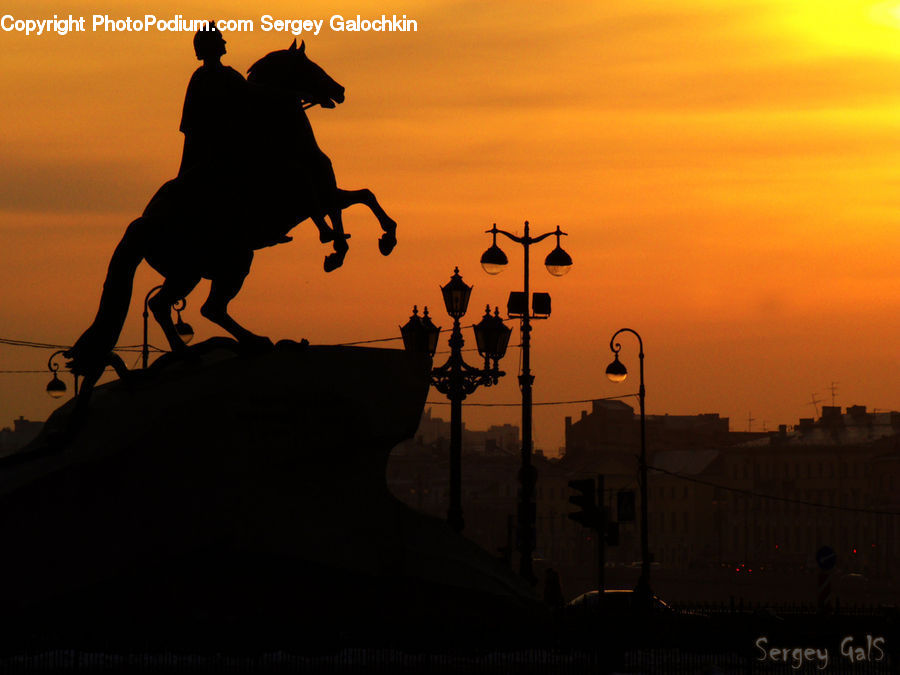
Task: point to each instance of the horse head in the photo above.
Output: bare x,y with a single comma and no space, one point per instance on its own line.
292,69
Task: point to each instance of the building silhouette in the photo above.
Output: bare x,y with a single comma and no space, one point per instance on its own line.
21,434
725,506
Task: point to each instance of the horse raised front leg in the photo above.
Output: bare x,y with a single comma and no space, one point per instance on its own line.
222,291
336,259
388,240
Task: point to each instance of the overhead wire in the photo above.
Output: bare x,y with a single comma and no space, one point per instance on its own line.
762,495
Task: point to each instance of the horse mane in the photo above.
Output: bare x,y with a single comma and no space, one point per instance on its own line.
269,70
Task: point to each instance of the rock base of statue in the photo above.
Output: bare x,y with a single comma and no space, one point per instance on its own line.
226,500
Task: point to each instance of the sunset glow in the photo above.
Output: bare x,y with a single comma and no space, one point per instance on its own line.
727,173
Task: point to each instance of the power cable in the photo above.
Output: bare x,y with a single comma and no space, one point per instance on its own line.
542,403
776,498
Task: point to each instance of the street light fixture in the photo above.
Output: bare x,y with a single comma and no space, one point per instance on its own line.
419,333
491,337
456,295
182,329
494,259
56,388
616,372
456,379
558,263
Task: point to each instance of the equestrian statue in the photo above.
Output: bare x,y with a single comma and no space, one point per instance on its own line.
264,178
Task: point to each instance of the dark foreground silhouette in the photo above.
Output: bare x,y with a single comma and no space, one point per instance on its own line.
231,499
206,223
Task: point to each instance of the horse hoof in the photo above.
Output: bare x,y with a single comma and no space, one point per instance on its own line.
333,261
341,246
386,243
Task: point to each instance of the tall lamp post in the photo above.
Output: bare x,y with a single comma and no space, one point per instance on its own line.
456,379
184,330
617,372
558,262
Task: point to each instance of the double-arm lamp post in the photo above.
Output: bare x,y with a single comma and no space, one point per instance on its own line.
617,372
456,379
558,262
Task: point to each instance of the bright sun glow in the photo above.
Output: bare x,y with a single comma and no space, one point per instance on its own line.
854,26
887,13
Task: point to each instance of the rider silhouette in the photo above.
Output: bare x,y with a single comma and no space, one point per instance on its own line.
215,121
214,117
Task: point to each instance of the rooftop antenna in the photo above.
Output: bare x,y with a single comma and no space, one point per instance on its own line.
750,421
815,403
833,388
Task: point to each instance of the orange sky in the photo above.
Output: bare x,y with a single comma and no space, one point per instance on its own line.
727,171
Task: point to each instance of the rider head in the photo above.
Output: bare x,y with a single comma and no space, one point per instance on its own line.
209,45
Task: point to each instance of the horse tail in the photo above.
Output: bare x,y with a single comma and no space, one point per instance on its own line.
91,352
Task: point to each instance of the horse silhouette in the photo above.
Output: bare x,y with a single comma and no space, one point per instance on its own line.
207,223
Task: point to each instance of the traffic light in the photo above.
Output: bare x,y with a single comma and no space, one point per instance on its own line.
589,515
625,506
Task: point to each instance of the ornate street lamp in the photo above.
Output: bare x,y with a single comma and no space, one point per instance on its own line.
419,333
558,263
456,379
491,337
617,372
456,295
182,329
56,388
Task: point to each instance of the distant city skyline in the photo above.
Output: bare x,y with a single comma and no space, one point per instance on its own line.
726,175
441,414
732,513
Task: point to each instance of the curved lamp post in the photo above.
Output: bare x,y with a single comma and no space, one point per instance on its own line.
56,388
558,263
183,329
456,379
617,372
